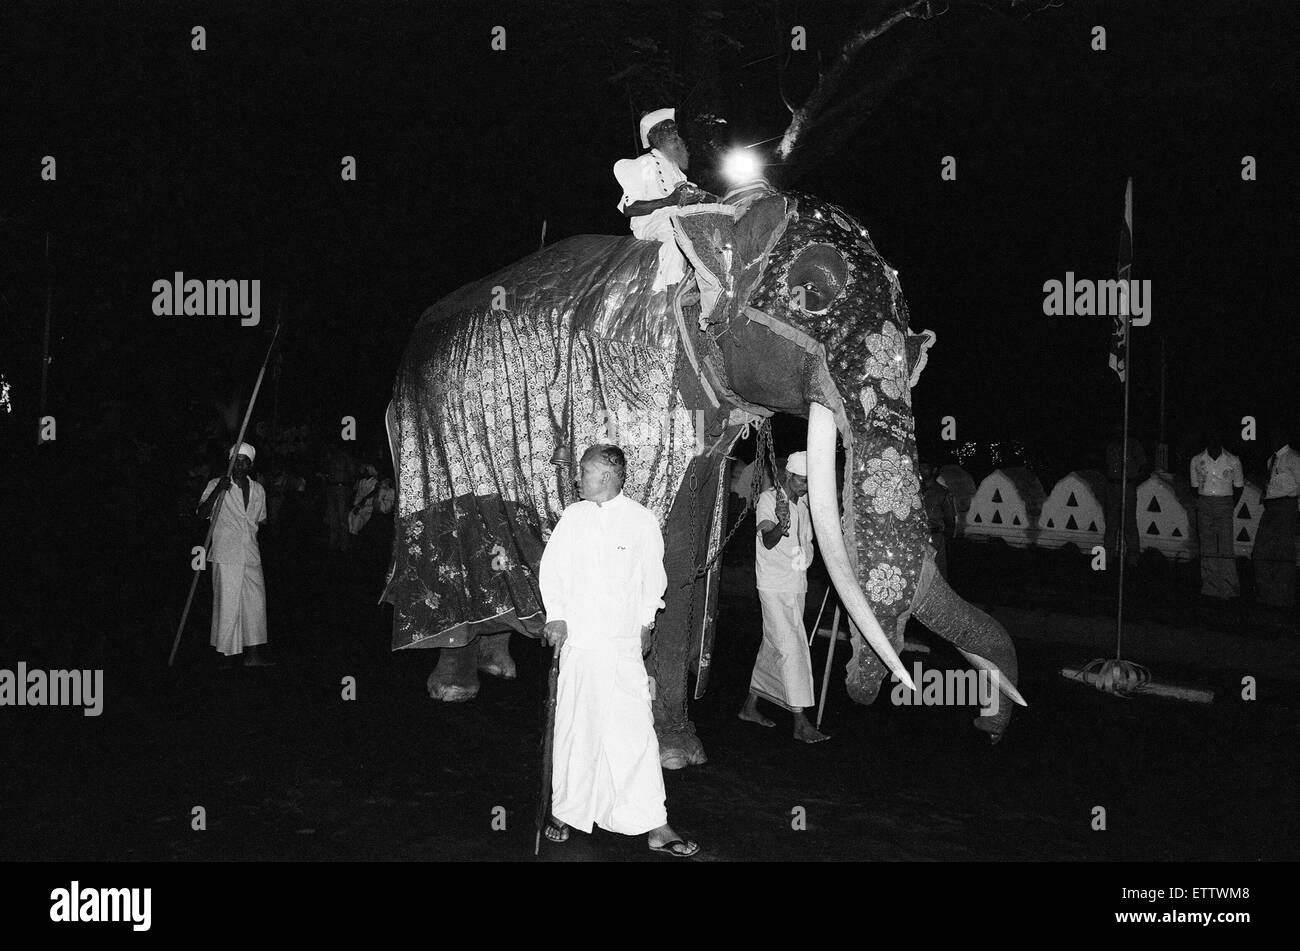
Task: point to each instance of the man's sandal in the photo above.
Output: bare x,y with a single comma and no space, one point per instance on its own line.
686,850
556,831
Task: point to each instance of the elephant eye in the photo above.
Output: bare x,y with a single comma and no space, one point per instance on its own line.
821,272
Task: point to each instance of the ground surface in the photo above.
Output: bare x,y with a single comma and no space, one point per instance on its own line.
286,769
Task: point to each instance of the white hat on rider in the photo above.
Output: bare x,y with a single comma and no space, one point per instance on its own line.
652,119
797,464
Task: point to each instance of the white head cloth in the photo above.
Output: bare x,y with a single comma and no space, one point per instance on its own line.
652,119
797,464
245,450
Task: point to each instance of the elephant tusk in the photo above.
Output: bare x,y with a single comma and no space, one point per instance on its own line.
1006,686
825,512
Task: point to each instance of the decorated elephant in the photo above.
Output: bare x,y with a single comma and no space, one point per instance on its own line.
506,381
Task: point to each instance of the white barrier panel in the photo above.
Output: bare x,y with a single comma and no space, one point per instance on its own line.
961,489
1245,520
1164,518
1007,505
1074,513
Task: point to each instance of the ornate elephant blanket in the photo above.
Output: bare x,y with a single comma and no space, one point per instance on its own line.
568,341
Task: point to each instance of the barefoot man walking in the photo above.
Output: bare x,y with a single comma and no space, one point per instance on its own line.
783,549
602,581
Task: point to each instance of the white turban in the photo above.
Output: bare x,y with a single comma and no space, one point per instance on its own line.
244,450
652,119
797,464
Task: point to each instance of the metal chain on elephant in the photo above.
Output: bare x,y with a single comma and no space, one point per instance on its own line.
764,435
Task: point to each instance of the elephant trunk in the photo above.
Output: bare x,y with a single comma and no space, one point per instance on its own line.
983,641
824,507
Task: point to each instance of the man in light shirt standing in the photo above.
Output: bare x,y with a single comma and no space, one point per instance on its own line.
783,550
1274,554
654,186
602,581
238,587
1218,480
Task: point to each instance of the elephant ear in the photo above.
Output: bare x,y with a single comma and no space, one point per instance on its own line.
758,228
917,345
706,234
728,245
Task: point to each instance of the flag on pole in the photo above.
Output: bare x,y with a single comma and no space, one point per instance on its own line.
1119,333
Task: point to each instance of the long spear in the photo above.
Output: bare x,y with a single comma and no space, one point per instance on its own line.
216,509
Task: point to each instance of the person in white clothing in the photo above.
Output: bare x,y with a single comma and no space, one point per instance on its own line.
1218,480
783,549
654,186
602,581
238,587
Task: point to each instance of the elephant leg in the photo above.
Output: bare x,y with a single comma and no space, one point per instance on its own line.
976,635
678,626
456,677
494,655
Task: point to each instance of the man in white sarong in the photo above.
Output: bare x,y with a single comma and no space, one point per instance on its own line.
783,550
238,589
654,186
602,581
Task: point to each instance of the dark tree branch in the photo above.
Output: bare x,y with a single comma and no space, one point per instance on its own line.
883,17
878,21
842,122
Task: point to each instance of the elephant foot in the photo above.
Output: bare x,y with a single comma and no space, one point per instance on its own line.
505,671
679,750
494,656
450,693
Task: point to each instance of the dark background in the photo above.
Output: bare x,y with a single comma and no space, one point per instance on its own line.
225,164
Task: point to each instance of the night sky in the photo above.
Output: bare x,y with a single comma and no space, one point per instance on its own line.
225,164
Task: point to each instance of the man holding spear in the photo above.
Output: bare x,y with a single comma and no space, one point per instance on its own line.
238,588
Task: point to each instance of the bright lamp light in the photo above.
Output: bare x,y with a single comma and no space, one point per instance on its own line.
741,166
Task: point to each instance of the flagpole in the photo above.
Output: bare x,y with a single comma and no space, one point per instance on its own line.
45,351
1162,450
1123,497
1125,269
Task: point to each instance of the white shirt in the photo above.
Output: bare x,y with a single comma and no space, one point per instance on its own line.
602,572
1219,476
648,178
234,540
784,567
1283,474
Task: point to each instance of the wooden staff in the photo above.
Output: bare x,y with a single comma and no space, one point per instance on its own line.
216,509
826,674
820,612
548,748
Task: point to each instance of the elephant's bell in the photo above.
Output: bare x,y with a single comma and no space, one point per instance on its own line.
563,456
